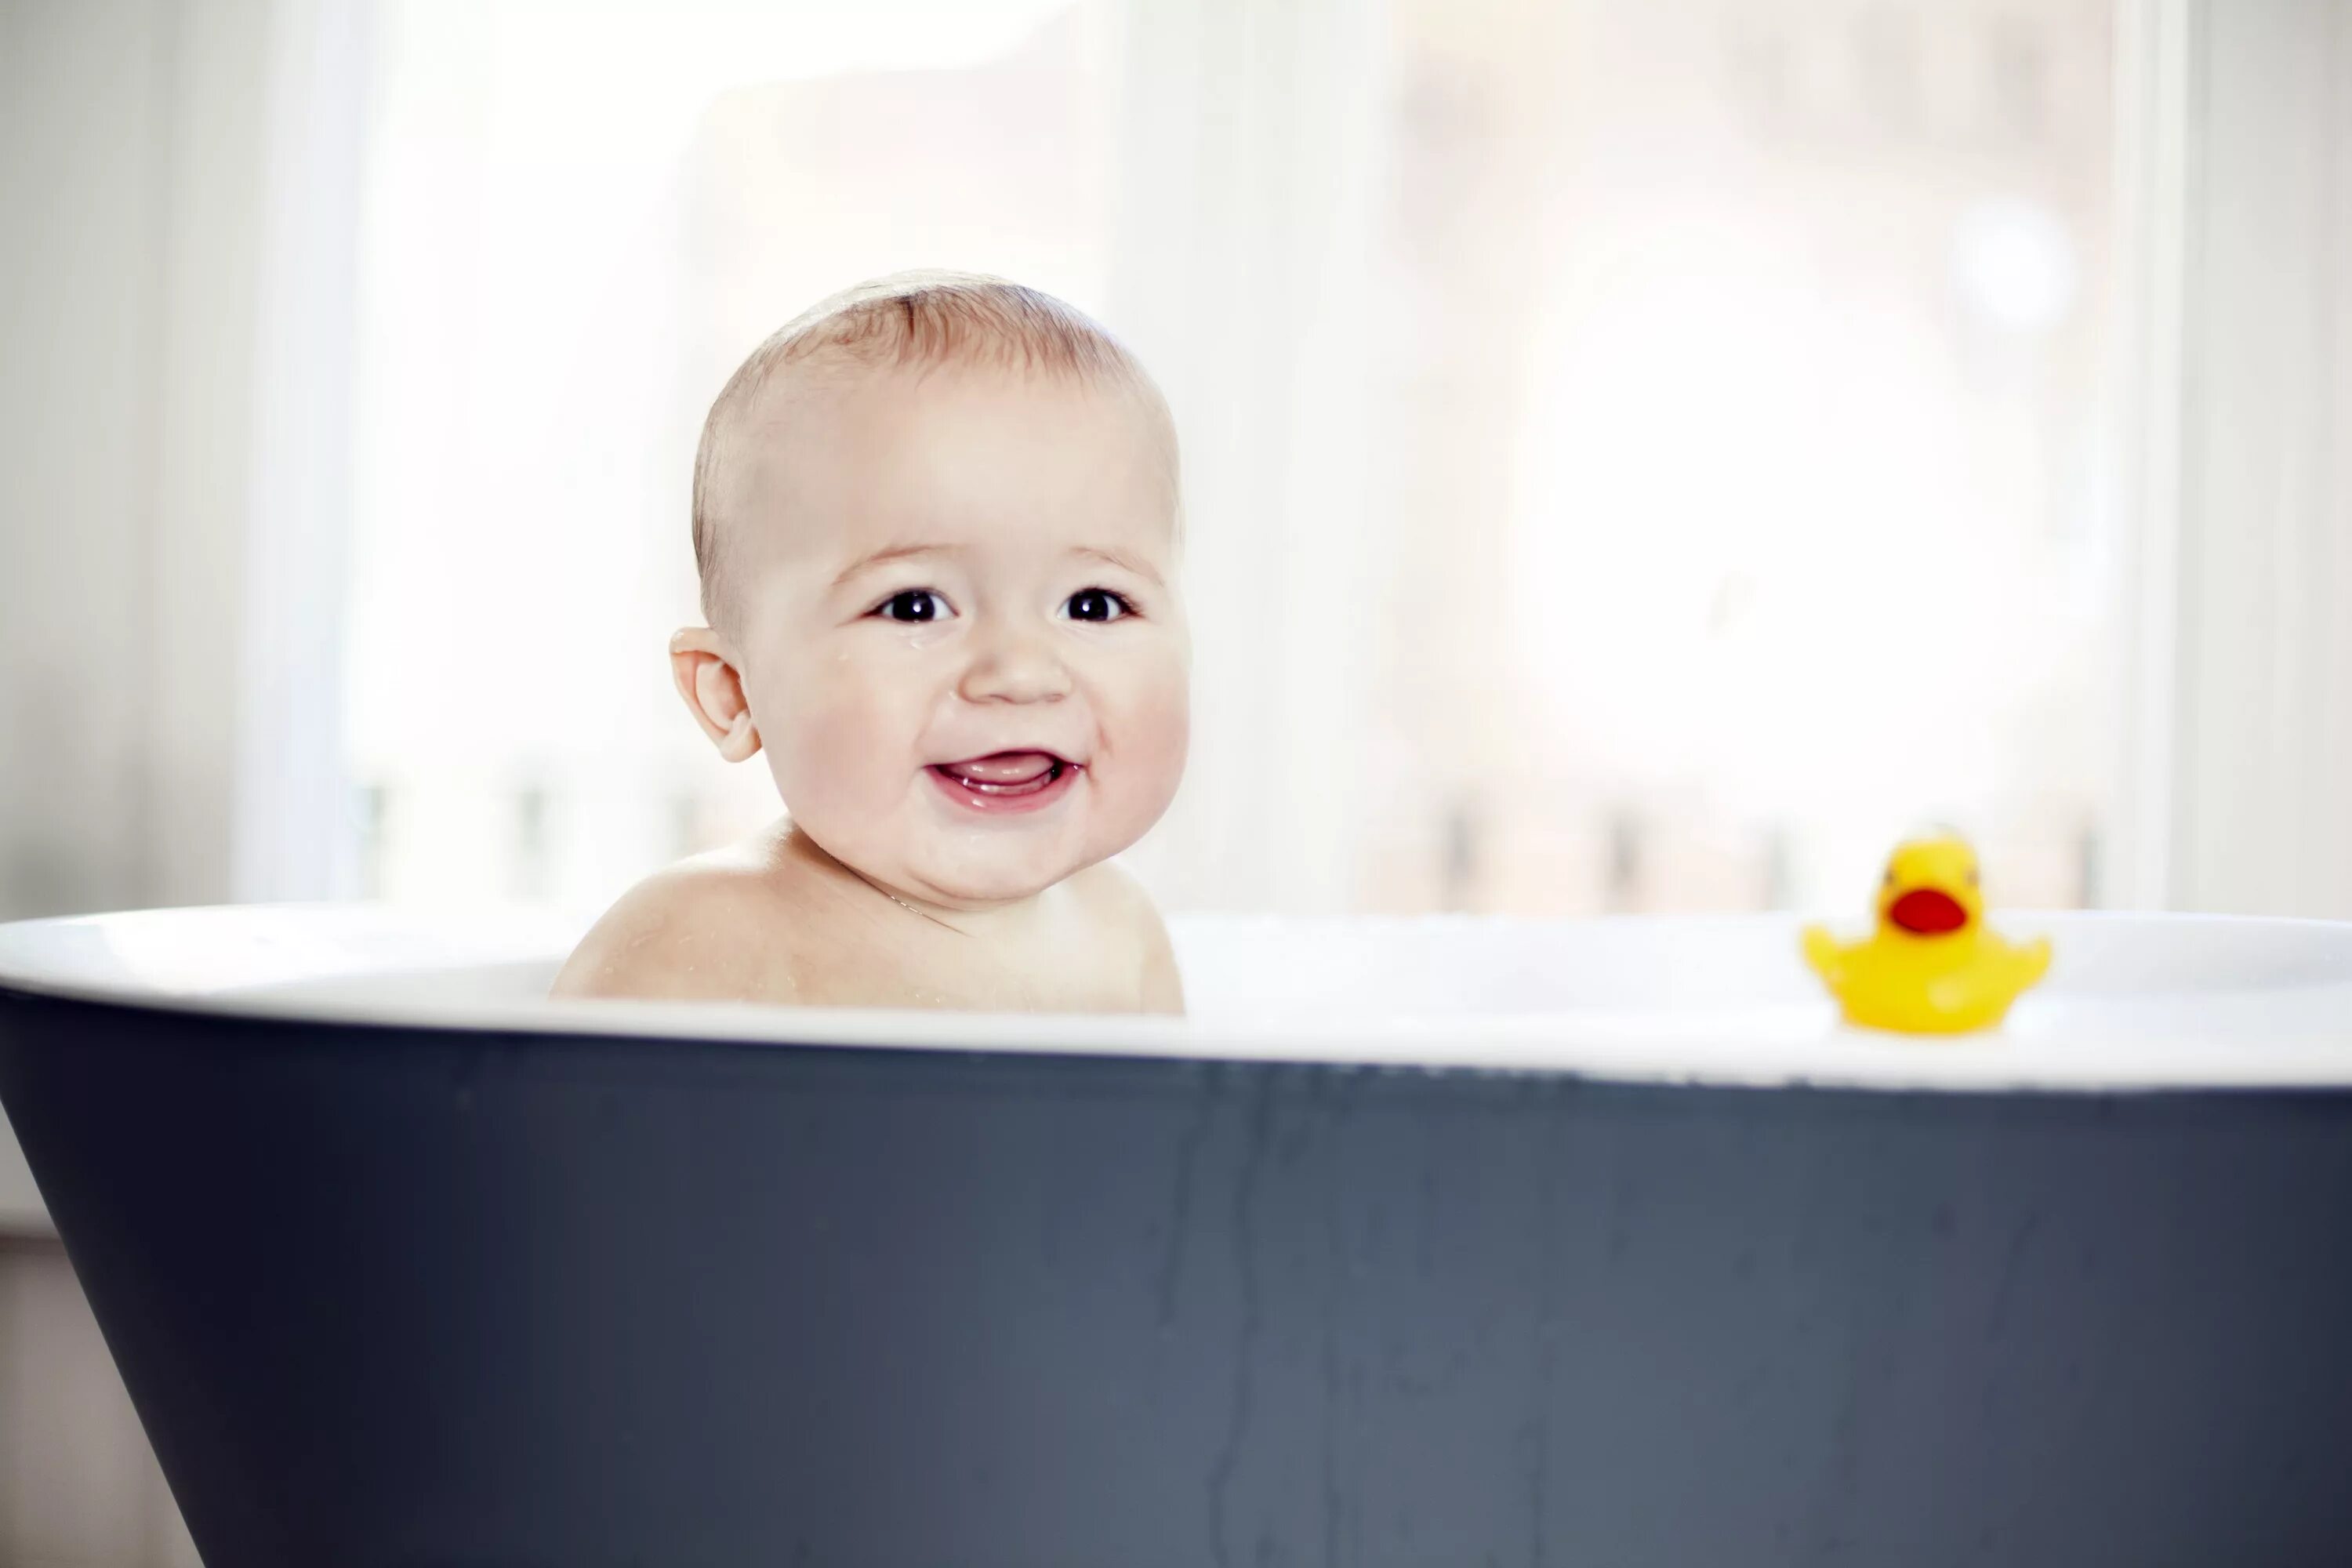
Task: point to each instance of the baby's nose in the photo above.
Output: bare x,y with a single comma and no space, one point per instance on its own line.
1015,665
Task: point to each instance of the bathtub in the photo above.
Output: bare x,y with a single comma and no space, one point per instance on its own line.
1421,1242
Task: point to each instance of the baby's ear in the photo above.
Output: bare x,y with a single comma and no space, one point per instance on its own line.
713,689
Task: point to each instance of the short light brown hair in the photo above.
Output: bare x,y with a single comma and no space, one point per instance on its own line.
909,319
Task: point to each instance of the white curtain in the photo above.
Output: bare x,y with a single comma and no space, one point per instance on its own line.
2242,395
1250,156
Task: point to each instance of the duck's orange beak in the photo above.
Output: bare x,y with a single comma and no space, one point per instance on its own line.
1927,911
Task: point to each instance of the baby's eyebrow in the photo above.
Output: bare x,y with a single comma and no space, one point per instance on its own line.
876,558
1121,559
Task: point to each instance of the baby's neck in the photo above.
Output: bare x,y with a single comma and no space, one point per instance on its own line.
1009,918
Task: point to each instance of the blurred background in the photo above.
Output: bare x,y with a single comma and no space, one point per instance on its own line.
1639,455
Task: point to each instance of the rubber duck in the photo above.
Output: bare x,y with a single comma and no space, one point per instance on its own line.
1932,966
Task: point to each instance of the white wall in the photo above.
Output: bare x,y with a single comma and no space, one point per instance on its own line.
1250,164
2246,729
79,1487
21,1211
130,188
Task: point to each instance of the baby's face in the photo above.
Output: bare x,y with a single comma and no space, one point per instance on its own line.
958,626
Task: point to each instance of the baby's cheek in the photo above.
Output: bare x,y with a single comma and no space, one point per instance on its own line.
1156,732
826,765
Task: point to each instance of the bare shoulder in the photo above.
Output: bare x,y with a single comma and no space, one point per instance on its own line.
1114,897
716,928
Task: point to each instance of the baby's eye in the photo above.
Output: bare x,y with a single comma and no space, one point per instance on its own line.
1097,605
916,605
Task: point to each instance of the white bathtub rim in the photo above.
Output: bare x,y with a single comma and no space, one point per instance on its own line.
1799,1046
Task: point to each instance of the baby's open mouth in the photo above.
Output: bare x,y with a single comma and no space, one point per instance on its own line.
1006,774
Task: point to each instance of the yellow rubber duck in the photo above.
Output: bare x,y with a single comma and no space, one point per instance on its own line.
1931,967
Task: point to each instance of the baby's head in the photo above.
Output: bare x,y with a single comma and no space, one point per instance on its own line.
936,524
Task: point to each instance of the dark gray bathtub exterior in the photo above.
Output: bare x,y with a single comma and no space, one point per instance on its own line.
390,1295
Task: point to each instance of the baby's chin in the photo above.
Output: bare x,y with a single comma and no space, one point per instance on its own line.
954,870
984,881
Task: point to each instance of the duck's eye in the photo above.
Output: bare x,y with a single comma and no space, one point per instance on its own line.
914,605
1888,880
1097,605
1972,876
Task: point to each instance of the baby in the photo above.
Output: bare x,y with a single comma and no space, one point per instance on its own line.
936,519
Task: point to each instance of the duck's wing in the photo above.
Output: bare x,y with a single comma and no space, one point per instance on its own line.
1822,951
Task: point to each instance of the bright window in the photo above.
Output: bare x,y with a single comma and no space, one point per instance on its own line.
1639,456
